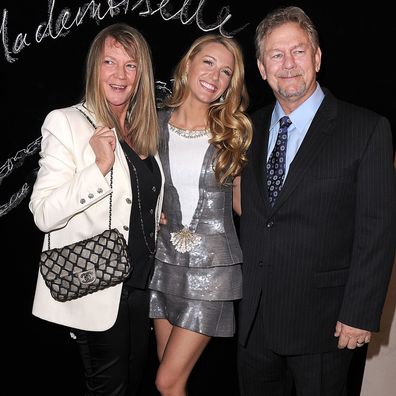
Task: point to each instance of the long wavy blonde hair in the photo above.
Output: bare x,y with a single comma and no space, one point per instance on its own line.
229,125
141,120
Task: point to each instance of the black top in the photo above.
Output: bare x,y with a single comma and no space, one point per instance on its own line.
149,180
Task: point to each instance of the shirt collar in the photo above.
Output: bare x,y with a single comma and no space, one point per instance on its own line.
301,116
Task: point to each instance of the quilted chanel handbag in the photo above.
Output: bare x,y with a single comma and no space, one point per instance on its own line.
84,267
87,266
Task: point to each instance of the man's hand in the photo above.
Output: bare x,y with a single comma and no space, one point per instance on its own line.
351,337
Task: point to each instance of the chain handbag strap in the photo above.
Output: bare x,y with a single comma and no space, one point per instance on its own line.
140,205
111,181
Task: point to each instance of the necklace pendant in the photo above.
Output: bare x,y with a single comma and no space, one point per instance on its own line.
184,240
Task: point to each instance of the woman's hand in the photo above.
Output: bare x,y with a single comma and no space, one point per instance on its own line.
103,143
163,219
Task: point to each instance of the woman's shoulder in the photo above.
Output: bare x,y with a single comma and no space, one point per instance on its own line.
63,112
164,115
67,121
72,114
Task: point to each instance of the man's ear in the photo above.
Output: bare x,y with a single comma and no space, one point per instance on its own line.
261,69
318,59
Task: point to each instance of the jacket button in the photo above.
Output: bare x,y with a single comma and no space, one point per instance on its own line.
126,228
90,195
270,224
82,201
99,190
128,201
260,263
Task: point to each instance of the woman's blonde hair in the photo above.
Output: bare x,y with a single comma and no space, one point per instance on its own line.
229,125
141,120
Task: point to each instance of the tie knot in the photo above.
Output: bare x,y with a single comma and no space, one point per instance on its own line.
285,122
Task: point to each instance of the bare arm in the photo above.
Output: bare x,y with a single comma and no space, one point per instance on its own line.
236,195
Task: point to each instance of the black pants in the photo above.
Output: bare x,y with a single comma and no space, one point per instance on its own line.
114,360
264,372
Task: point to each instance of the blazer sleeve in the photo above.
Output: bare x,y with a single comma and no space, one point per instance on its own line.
68,173
375,233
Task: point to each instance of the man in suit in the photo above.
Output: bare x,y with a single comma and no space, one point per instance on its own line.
318,223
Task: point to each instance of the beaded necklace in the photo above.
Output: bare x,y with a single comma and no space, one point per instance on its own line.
188,133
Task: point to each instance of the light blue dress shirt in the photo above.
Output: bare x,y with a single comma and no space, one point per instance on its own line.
301,119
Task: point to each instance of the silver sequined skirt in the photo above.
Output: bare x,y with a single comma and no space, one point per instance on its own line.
213,318
210,284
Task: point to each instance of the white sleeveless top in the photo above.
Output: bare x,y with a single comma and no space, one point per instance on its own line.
186,156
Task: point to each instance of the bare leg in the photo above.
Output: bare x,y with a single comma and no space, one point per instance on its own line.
163,330
180,350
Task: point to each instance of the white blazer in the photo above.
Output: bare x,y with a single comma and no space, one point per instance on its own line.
70,199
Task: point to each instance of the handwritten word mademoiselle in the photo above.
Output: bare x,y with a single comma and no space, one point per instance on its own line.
60,25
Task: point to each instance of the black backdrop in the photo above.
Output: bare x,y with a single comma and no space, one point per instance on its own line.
40,73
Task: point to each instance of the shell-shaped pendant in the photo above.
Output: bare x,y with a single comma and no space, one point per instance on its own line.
184,240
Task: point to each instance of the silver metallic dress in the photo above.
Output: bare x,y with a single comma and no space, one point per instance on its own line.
197,272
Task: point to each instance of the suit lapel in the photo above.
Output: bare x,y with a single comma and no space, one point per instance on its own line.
259,157
316,137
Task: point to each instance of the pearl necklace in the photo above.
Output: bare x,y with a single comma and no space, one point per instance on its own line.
188,133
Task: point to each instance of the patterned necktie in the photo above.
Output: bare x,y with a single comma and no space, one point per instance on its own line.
276,164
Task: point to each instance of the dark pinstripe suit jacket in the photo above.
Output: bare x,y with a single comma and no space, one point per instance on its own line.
324,252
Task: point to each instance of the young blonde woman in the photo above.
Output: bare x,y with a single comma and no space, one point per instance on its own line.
204,135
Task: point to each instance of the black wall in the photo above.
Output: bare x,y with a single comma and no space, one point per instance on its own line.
358,46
